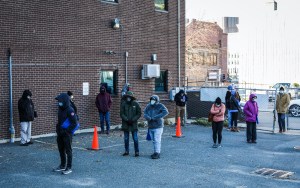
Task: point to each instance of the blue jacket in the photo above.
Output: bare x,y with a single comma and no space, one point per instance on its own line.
154,114
64,112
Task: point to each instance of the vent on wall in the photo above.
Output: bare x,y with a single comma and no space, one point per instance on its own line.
150,71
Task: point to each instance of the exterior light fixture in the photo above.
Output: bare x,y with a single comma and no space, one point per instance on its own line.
153,57
275,5
115,23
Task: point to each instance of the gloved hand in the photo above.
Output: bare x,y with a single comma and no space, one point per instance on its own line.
129,122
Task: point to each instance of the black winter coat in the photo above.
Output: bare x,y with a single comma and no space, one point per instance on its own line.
26,107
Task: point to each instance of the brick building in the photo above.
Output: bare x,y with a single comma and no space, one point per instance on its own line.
206,53
58,46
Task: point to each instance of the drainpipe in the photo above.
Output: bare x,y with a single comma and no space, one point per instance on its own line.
11,127
178,27
126,62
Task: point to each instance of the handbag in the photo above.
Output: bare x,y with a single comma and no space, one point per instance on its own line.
148,136
210,117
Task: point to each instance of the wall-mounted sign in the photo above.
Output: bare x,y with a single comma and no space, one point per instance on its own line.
85,88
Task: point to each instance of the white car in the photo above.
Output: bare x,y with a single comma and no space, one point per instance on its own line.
294,107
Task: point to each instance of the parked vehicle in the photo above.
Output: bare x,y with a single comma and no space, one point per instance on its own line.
294,108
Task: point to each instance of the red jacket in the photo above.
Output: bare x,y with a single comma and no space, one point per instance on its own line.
218,115
103,102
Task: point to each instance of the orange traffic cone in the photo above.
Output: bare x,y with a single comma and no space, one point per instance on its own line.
178,129
95,144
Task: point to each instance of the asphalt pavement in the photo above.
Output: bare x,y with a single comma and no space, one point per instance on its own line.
185,162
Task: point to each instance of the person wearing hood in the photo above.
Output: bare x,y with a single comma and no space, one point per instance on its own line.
66,116
251,117
154,113
103,103
234,110
218,111
130,112
180,99
282,103
26,115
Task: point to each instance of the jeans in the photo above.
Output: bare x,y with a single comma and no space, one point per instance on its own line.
229,119
105,116
156,138
135,140
25,132
281,121
217,128
251,131
234,117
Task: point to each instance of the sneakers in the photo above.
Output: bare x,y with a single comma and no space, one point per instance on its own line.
67,171
107,132
26,144
215,146
137,154
219,145
126,153
59,169
254,141
155,156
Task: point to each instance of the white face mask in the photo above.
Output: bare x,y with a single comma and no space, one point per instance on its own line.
253,100
28,97
152,102
281,92
218,105
128,99
72,97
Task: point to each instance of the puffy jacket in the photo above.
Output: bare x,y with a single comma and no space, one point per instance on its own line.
282,103
218,115
180,100
130,111
103,101
64,112
154,114
26,107
251,109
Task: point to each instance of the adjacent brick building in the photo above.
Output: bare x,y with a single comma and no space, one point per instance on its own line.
206,51
60,45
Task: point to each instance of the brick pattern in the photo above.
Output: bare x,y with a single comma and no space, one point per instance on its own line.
58,45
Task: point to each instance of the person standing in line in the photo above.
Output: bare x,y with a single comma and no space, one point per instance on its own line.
26,115
103,103
180,99
154,114
282,103
234,110
227,104
72,104
130,112
218,110
251,116
67,122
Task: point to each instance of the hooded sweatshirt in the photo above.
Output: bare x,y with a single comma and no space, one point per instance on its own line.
155,113
180,100
251,109
26,107
64,112
103,101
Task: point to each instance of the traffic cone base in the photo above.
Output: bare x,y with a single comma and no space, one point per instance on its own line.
178,129
95,144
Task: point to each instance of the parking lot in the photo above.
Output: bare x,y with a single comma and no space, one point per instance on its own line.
188,161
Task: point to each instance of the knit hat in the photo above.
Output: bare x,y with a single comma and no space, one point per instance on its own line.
229,87
129,94
69,93
218,100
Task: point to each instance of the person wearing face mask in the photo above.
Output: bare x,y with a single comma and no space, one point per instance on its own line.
180,99
64,134
103,103
72,103
26,115
154,114
130,112
282,103
218,110
251,117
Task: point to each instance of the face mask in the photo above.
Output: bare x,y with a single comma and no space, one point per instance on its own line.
218,105
60,104
152,102
28,97
253,100
128,99
281,92
72,97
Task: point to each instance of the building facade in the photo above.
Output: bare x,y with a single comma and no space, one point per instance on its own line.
60,46
206,53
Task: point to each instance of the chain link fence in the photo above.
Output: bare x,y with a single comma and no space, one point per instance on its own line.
202,98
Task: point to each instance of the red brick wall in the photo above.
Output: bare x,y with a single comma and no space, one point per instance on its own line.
58,45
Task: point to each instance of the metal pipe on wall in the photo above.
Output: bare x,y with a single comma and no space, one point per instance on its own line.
126,63
11,127
178,27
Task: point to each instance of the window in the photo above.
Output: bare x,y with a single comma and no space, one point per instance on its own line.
109,78
113,1
161,5
161,83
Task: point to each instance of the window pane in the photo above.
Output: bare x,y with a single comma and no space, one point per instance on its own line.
108,77
160,83
161,4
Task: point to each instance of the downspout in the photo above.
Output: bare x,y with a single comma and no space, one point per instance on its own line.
178,27
11,127
126,63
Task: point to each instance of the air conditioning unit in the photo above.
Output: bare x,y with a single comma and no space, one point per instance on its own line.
150,71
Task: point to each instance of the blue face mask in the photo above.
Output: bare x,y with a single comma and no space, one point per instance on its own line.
60,104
